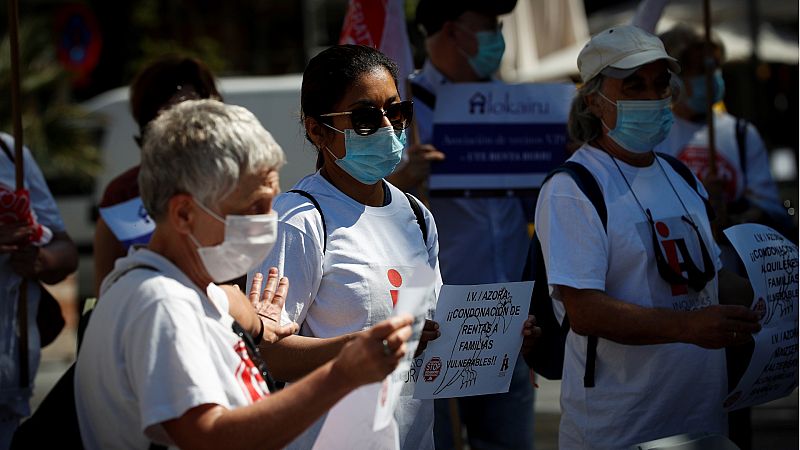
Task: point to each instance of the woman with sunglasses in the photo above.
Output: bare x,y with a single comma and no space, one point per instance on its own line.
649,307
347,239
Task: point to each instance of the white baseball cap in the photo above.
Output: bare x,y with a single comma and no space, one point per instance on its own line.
622,49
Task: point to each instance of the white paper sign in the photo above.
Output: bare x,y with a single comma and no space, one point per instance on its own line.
771,263
481,328
365,417
129,222
349,424
415,299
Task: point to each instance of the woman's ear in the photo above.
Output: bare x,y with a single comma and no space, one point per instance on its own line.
592,105
315,131
181,212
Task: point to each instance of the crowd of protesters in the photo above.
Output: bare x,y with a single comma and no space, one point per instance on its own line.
175,354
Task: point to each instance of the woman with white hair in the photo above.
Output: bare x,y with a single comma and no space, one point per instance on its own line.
162,361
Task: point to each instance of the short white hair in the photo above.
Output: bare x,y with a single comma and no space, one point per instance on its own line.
202,148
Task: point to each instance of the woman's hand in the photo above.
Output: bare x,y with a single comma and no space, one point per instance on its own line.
429,332
268,305
374,353
530,332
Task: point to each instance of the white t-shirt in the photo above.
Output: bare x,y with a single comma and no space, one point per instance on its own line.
156,347
483,240
688,141
14,399
370,252
641,392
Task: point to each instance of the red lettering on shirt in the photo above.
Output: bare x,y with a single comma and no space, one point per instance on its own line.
248,375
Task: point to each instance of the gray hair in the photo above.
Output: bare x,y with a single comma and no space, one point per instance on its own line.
202,148
582,125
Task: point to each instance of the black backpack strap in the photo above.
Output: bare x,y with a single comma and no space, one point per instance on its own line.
423,226
741,143
687,175
587,183
321,215
423,95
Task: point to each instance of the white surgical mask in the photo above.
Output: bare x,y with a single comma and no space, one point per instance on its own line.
248,241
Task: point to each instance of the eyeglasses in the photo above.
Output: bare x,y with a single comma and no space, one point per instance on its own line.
369,119
696,279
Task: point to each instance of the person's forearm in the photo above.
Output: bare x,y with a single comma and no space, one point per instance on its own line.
270,423
59,258
295,356
595,313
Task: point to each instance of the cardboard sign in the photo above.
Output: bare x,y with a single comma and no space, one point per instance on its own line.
499,136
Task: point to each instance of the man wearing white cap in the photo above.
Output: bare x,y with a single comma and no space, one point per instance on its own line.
642,288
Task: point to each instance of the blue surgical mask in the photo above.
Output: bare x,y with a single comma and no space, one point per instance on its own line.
641,124
491,47
698,100
371,158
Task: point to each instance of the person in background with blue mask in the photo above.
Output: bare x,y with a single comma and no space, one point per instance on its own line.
484,233
649,305
744,180
743,174
347,239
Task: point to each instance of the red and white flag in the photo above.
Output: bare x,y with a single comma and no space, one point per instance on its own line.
380,24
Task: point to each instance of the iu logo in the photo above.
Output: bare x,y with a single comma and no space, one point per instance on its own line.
477,102
677,253
396,280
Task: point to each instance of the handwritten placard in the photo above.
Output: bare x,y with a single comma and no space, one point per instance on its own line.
771,263
481,328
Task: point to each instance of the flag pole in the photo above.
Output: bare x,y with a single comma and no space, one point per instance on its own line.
709,74
16,117
712,183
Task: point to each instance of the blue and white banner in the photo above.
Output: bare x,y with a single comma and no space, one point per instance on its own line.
499,136
129,222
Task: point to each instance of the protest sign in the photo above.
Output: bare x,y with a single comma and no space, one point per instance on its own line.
481,328
348,424
771,263
499,136
415,298
365,417
129,222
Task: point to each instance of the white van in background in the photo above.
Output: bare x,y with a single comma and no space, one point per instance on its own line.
274,100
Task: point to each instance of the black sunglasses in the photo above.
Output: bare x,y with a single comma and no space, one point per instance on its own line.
369,119
696,278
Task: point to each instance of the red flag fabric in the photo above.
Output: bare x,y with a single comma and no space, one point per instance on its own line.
15,206
380,24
